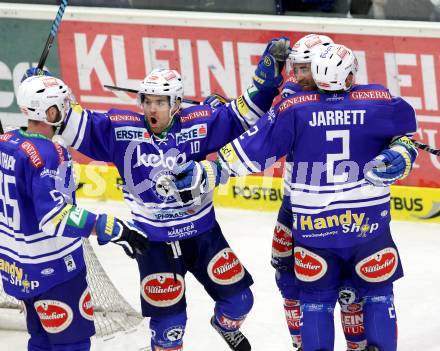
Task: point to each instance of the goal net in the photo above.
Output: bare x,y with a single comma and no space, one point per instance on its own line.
113,313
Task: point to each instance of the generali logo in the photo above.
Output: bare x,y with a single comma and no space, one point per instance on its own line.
33,154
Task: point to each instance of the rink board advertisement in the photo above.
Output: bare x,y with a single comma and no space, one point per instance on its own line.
259,193
104,47
223,61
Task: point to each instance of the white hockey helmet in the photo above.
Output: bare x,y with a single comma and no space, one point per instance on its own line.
37,93
164,82
304,49
331,67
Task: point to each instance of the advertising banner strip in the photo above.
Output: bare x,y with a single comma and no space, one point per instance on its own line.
259,193
215,53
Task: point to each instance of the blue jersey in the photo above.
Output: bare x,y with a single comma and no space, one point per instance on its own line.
331,137
146,162
290,88
40,228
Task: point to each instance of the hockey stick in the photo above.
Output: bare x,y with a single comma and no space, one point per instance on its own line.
53,32
134,91
49,42
418,144
426,148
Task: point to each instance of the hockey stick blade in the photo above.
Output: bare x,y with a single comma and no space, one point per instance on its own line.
134,91
426,148
53,32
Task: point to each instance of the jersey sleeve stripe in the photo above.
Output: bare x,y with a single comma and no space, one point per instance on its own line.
252,105
72,126
244,158
81,130
55,216
244,124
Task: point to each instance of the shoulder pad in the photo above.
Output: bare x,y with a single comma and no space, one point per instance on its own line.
298,99
195,112
42,151
5,137
31,151
60,152
370,92
124,116
369,86
290,88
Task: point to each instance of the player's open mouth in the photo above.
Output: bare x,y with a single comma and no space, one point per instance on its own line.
153,121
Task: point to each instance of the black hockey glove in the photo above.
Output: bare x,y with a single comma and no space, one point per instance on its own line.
132,240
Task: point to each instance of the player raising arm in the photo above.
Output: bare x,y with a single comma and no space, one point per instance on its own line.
41,227
146,148
301,79
340,200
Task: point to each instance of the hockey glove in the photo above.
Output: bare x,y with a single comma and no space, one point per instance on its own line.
268,72
215,101
34,71
193,179
392,164
132,240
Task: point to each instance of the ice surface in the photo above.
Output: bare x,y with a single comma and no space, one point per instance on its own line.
250,234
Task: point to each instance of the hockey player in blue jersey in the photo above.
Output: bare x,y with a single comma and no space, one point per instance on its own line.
301,79
41,227
146,148
349,144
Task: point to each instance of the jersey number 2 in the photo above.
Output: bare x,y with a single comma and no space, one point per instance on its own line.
331,135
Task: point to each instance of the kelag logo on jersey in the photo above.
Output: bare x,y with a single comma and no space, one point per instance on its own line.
132,133
197,131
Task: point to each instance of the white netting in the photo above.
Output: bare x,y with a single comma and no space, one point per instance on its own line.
112,312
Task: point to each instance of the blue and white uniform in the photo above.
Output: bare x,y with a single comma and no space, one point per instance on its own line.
146,162
340,221
330,200
41,228
40,240
182,238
